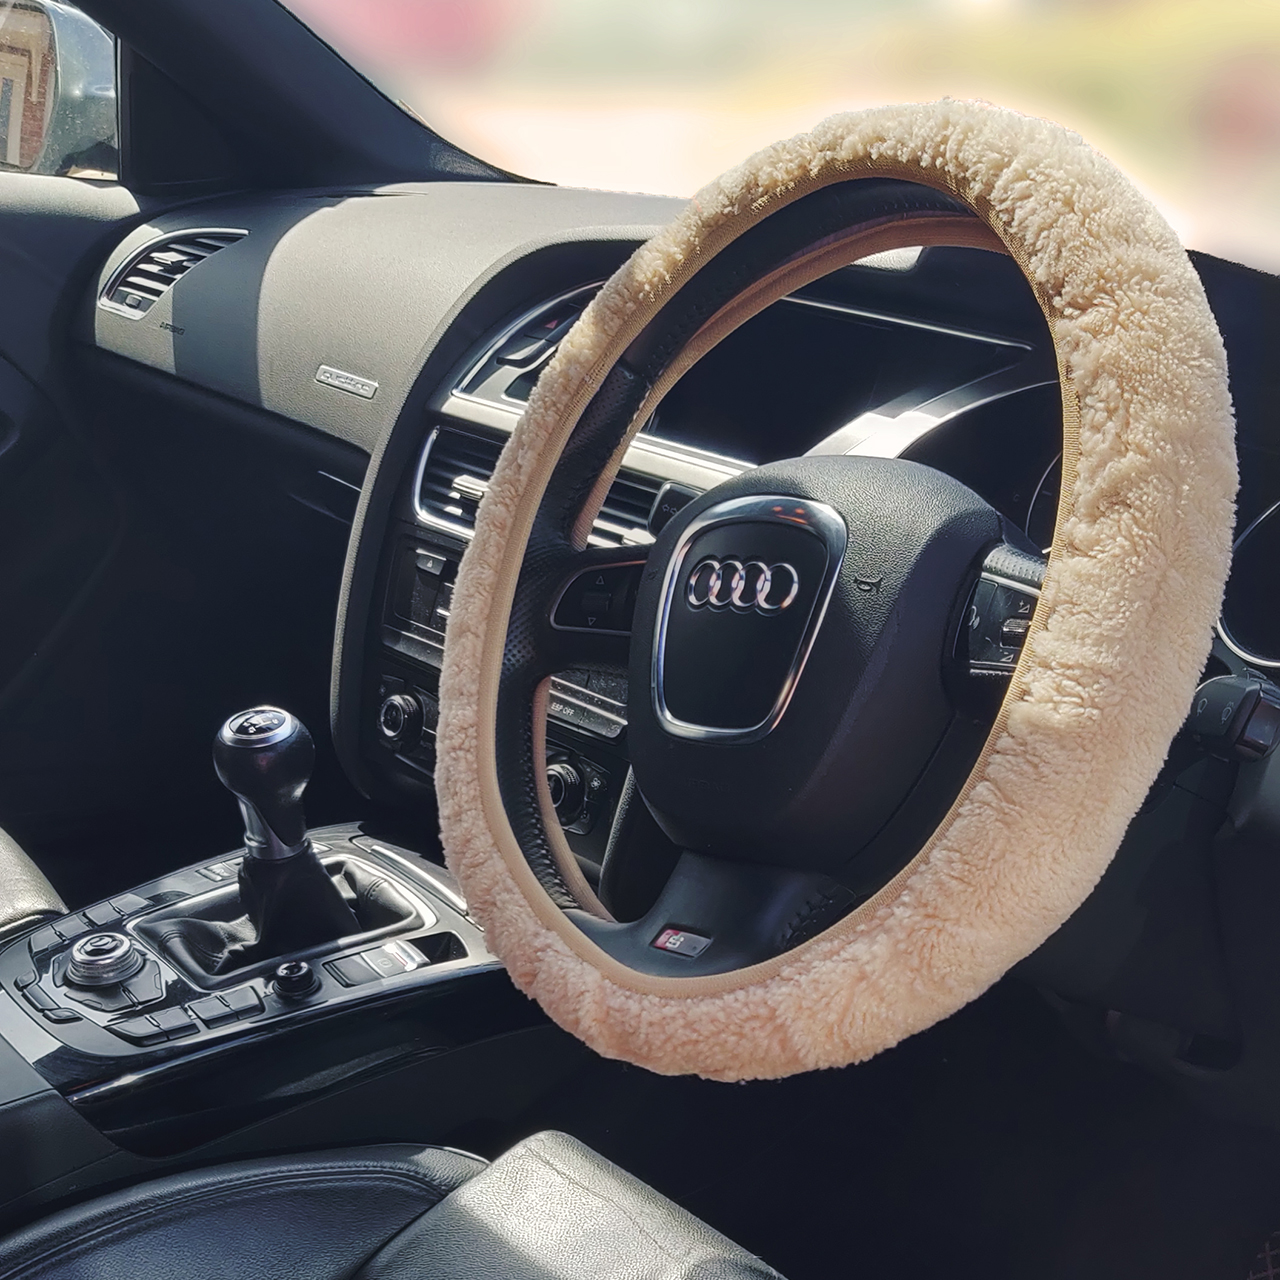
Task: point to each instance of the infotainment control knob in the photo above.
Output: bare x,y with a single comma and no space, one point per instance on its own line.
400,720
102,960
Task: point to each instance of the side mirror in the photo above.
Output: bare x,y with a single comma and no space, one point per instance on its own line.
57,91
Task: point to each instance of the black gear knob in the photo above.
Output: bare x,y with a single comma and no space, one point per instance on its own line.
264,757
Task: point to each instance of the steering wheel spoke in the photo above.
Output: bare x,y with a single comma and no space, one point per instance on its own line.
590,606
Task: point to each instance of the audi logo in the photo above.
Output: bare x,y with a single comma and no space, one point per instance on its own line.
731,584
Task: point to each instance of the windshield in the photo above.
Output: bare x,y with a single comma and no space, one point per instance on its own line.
661,95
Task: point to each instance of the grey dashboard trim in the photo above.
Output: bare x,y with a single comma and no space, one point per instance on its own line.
354,280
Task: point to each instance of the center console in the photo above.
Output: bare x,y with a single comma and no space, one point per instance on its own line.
312,987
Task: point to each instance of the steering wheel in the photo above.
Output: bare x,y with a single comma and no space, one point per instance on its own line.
862,851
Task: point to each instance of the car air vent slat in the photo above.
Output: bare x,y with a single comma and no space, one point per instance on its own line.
149,276
624,517
454,473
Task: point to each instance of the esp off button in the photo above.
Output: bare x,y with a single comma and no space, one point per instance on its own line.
681,942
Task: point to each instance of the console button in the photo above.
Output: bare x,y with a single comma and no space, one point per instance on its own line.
46,939
139,1030
62,1015
34,995
212,1010
174,1023
106,999
388,960
352,971
244,1002
127,903
25,979
431,562
103,914
146,985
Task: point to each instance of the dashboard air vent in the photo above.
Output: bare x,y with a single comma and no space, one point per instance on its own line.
453,476
151,275
624,517
454,473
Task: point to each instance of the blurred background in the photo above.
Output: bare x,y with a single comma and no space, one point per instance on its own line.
661,95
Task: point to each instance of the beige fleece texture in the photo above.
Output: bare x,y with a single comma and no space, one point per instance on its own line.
1133,589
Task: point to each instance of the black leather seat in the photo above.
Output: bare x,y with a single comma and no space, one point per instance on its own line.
26,897
550,1209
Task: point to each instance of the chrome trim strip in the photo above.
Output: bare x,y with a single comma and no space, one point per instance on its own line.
429,518
886,318
880,434
823,522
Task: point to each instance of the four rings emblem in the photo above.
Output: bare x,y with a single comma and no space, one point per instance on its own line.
733,584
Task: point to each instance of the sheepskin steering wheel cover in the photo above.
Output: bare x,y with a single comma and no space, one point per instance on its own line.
1124,624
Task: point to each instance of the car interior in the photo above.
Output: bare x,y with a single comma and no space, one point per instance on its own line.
263,338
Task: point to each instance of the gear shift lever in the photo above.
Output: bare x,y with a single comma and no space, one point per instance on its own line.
264,758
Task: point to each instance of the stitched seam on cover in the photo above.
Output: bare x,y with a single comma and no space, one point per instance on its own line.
249,1186
596,1195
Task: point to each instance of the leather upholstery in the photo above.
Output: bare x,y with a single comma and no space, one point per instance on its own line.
550,1209
317,1217
26,897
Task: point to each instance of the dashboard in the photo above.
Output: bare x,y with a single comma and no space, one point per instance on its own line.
414,321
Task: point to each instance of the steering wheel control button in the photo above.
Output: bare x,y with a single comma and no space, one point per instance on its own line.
103,960
1236,717
995,624
680,942
295,980
744,595
671,499
601,599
